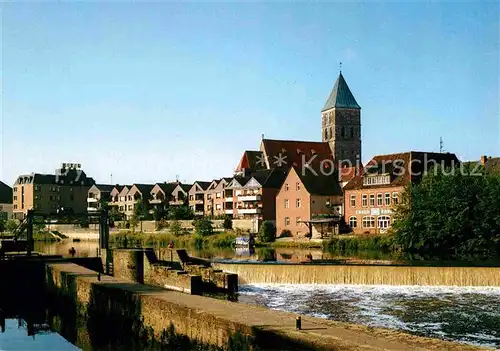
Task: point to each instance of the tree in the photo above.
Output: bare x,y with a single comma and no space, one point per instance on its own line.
159,213
228,223
2,225
11,225
450,212
175,228
183,212
141,210
267,232
203,227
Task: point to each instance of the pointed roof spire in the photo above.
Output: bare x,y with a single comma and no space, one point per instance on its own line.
341,96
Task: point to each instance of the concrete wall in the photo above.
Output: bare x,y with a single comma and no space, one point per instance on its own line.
215,322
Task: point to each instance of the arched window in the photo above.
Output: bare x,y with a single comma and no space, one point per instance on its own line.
368,222
326,134
352,132
353,222
383,222
342,132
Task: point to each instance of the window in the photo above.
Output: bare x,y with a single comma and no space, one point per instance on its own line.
368,222
218,195
383,222
372,199
122,198
353,222
287,221
218,207
342,131
15,207
71,198
352,132
376,179
364,199
298,203
297,221
70,189
191,197
37,188
15,198
353,200
379,200
287,203
121,208
15,189
395,198
209,196
297,186
286,187
387,199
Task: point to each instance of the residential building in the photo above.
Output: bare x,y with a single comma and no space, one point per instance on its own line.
197,197
370,197
491,164
341,123
66,189
305,197
180,195
5,201
137,192
97,194
161,194
215,200
254,194
119,198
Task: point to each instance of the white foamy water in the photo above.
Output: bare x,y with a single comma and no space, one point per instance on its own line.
464,314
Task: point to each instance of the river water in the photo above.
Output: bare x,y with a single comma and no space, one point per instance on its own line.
465,314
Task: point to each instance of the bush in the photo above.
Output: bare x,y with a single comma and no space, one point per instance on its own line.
203,227
228,223
161,224
285,233
11,225
267,232
175,228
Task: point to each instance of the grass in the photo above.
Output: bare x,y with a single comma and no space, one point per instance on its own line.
129,239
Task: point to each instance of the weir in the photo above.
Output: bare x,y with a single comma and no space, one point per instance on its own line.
261,273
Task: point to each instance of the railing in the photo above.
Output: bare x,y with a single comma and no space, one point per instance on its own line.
229,199
249,210
231,211
249,197
92,199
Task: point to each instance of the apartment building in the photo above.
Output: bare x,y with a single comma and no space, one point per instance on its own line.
5,201
66,189
97,194
253,195
197,197
215,199
370,197
308,203
137,192
180,195
161,194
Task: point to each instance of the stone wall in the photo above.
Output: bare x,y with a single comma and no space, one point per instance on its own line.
214,279
168,278
217,322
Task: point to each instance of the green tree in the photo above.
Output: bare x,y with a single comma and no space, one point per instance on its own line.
175,228
141,210
450,212
203,227
11,225
228,223
159,213
183,212
2,225
267,232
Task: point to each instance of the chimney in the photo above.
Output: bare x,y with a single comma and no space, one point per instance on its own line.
484,158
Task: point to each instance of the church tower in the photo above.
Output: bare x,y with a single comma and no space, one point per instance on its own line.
341,123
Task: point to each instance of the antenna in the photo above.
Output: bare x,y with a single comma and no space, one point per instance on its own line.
340,67
111,176
176,177
441,145
262,136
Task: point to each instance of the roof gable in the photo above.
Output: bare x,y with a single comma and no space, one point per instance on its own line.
253,183
341,96
5,193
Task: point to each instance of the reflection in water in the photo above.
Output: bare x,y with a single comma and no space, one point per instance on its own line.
469,315
20,335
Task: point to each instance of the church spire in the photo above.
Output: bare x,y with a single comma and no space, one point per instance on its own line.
341,96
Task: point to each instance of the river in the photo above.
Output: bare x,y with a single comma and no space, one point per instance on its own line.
464,314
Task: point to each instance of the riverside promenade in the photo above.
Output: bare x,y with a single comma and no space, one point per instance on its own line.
214,322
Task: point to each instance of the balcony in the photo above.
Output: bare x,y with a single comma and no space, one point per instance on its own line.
92,199
176,202
229,199
196,202
199,213
155,201
231,211
249,210
92,209
249,197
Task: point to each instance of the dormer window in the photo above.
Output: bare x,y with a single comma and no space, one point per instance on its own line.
377,179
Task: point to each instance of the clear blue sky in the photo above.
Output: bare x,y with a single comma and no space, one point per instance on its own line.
148,91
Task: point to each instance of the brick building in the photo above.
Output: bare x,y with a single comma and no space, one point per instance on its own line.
197,197
304,197
5,201
66,189
97,194
370,197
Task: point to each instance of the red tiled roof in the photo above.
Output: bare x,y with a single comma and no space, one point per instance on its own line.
403,167
294,153
347,173
250,160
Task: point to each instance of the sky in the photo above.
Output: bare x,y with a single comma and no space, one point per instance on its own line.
151,92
